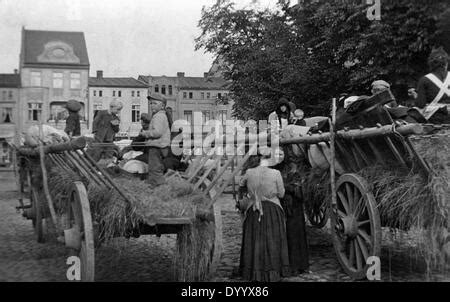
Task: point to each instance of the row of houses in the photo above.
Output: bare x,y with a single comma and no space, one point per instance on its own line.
54,67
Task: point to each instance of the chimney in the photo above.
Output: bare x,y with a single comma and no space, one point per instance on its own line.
180,74
99,74
16,71
205,74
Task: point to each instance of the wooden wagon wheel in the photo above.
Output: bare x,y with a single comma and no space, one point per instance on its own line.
318,216
36,214
80,235
356,228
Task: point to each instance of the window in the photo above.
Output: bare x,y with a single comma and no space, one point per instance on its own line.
208,95
156,88
206,116
75,80
188,116
35,78
10,95
202,95
132,93
100,93
120,93
184,95
97,107
222,116
58,111
95,92
6,115
163,89
191,95
58,80
4,95
135,113
138,94
114,93
170,90
34,111
219,95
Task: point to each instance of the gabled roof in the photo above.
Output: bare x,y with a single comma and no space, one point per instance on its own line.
9,80
201,83
207,83
33,42
116,82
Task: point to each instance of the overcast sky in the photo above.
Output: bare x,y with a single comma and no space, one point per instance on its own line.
123,37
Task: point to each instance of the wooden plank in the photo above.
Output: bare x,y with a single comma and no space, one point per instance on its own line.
362,153
219,174
238,169
201,165
394,150
207,172
374,148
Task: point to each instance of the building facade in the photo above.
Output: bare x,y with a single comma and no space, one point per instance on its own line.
9,96
131,92
54,68
187,95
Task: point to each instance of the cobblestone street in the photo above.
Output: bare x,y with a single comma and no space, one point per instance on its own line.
149,258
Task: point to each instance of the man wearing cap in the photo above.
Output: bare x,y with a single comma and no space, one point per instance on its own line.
158,139
105,126
379,86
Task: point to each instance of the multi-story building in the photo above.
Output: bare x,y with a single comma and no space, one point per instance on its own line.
187,95
54,68
9,95
131,92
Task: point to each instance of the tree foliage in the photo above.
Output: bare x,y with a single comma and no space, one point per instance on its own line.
315,52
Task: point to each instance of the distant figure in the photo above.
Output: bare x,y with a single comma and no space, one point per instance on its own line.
433,90
73,120
105,126
282,114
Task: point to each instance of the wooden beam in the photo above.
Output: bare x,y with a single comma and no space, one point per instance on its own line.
356,134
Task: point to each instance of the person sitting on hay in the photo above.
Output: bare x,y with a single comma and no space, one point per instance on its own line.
105,126
158,139
138,141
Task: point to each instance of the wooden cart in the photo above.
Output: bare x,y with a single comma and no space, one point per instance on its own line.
74,226
368,137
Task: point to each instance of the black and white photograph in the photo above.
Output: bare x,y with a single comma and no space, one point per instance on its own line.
225,142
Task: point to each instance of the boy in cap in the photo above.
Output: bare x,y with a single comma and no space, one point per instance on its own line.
158,139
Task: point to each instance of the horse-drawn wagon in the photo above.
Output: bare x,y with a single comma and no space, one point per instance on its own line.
72,199
381,180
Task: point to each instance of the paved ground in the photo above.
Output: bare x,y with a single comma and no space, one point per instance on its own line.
150,258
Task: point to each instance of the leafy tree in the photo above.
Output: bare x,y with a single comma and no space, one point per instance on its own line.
314,52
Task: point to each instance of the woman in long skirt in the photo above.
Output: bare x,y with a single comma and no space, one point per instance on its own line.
264,251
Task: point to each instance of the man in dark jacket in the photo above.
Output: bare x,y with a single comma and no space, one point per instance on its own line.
73,121
105,126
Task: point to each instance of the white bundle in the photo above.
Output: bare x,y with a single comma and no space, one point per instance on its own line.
50,135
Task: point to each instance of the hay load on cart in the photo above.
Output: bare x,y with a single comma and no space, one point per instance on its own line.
86,206
388,173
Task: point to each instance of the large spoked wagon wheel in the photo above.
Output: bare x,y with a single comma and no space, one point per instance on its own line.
36,214
80,236
356,227
318,215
